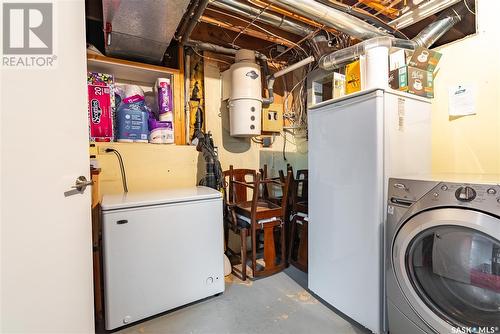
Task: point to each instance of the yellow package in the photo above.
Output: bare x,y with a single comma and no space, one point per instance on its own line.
353,77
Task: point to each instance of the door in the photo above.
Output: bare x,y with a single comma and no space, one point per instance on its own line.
46,263
447,263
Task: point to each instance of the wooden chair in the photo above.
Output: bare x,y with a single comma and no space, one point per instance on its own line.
235,193
269,189
261,215
297,251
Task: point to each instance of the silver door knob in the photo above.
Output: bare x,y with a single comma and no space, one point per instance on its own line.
81,183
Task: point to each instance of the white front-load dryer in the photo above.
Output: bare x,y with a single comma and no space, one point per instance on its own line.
443,256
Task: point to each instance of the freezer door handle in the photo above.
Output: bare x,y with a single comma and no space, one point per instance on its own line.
123,221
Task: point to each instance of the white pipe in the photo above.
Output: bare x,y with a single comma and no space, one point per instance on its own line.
293,67
270,80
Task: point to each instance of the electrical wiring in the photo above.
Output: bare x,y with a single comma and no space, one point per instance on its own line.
254,19
122,167
467,6
309,36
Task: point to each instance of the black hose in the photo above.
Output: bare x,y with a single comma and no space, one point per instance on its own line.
122,167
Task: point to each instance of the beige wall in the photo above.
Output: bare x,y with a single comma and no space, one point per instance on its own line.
148,166
470,144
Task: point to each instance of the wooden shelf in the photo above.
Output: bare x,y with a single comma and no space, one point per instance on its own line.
145,75
128,70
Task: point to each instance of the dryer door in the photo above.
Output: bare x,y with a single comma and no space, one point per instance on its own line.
447,263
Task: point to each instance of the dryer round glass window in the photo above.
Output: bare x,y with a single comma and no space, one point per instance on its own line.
456,271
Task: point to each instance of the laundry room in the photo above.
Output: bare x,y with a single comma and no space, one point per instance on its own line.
250,166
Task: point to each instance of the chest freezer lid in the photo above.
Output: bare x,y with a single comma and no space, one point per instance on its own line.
168,196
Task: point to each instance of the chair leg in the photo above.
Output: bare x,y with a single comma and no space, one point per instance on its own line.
269,247
226,235
302,251
254,250
243,234
283,245
292,237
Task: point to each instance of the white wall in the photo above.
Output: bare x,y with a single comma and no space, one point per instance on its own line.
470,144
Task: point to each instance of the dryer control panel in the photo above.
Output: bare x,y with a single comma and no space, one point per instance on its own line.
468,194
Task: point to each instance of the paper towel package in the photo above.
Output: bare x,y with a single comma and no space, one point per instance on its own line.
163,91
160,132
101,106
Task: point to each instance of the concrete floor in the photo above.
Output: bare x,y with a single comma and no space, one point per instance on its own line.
276,304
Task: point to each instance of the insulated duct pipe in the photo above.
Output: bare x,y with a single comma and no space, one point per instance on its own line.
445,21
332,18
338,58
274,20
426,38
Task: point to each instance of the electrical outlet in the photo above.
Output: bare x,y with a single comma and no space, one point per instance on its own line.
266,141
101,149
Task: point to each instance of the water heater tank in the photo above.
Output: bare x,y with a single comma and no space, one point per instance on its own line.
245,102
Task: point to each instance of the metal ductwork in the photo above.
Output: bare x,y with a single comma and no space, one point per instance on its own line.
426,38
332,18
272,19
141,29
445,21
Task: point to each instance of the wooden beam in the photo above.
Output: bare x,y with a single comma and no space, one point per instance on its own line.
180,119
376,5
246,31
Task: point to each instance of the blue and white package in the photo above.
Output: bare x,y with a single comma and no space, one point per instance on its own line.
132,117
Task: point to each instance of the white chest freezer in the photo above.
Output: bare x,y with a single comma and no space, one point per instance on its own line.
161,250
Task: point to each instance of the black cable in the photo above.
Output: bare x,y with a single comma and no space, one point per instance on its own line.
122,167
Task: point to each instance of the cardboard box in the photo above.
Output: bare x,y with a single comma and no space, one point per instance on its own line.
338,85
412,80
353,77
424,59
399,59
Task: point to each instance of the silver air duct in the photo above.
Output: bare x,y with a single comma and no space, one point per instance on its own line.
274,20
332,18
426,38
341,57
445,21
